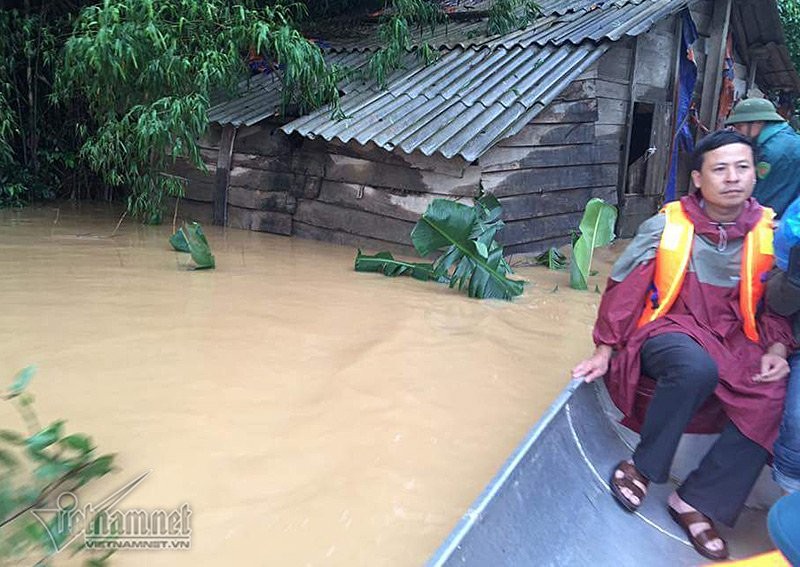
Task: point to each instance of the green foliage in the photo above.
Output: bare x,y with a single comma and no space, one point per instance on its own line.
97,98
385,263
790,18
509,15
190,238
553,259
8,124
146,70
178,241
35,136
597,229
395,33
35,468
471,257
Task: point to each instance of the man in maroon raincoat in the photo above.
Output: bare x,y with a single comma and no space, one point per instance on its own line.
697,328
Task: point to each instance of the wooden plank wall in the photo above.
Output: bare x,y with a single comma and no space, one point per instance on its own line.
342,193
568,154
365,196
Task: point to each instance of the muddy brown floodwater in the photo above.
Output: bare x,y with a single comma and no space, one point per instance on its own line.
308,414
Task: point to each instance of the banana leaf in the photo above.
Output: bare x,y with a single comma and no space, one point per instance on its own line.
466,234
178,241
385,263
597,229
191,237
553,259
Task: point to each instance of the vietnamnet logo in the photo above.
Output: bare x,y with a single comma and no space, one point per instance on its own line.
105,526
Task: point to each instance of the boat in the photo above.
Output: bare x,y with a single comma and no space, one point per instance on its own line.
550,503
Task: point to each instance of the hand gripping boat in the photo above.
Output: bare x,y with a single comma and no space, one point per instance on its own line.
550,503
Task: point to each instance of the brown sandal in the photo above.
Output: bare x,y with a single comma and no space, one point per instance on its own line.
631,479
686,520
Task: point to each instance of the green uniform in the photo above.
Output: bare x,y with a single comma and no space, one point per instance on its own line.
777,166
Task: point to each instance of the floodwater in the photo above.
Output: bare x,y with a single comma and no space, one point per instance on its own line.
307,414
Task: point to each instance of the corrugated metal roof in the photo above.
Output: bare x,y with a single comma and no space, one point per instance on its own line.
481,92
260,96
560,21
461,105
597,21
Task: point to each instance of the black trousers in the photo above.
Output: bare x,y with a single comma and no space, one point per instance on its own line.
686,375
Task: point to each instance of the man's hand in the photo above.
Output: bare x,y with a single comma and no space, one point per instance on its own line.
595,366
774,366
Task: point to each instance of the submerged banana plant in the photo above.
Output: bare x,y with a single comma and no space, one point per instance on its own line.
471,257
385,263
190,238
553,259
597,229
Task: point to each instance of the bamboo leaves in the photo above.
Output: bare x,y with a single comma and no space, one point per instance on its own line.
597,229
510,15
146,70
395,33
471,258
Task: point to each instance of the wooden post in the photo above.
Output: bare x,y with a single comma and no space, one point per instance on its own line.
715,58
623,166
220,211
751,77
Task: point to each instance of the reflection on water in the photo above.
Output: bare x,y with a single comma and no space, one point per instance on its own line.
308,414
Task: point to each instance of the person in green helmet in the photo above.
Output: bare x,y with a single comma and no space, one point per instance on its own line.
778,187
777,149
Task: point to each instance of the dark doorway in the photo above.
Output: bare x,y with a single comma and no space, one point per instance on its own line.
639,147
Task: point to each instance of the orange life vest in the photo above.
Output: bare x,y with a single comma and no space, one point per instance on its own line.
769,559
672,260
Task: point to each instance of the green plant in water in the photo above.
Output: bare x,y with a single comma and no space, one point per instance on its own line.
597,229
36,467
386,264
471,257
553,259
191,239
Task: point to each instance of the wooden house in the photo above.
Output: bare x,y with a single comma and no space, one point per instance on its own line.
584,102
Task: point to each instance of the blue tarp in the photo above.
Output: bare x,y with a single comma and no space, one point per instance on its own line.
687,77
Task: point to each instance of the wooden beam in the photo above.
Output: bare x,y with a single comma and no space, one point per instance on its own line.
715,58
220,214
622,178
751,77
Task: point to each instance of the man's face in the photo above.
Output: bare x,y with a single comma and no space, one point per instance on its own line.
749,129
727,176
